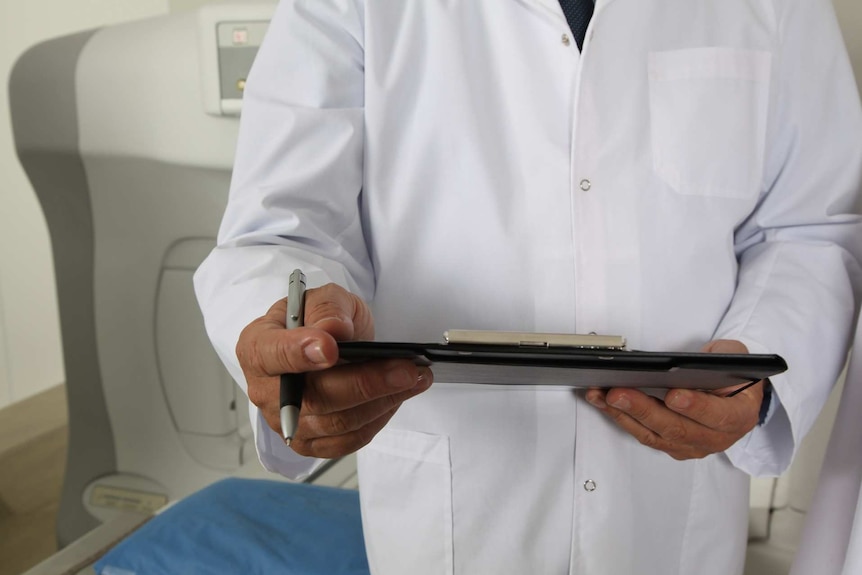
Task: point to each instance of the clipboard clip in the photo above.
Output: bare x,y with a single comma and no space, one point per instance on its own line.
535,339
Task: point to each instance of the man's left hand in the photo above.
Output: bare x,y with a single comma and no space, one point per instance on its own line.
688,424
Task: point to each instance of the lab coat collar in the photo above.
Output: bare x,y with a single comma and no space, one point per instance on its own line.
553,9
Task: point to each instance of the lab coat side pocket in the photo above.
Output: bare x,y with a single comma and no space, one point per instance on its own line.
405,488
708,116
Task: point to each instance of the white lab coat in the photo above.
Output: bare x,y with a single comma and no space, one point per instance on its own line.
461,165
831,541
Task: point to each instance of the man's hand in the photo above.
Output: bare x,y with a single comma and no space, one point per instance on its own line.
343,406
688,424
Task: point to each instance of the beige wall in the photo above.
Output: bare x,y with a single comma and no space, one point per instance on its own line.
30,353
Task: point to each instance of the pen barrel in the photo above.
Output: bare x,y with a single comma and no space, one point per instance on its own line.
292,385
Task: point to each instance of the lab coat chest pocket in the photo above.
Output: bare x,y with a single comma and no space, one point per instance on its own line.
708,114
406,495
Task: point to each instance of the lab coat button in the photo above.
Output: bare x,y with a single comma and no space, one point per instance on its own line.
590,485
586,185
565,40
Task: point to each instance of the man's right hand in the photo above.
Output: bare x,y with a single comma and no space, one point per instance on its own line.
343,406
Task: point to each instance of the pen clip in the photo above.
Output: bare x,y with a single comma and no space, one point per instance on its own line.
296,299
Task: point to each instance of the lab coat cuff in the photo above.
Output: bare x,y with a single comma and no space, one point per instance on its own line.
773,397
771,401
276,456
768,449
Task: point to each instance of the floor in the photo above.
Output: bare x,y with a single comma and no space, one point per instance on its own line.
33,439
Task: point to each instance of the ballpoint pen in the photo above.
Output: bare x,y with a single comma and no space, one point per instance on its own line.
292,384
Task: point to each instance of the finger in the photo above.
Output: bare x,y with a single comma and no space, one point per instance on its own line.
266,351
264,347
597,398
643,434
649,438
340,313
341,445
347,386
354,419
267,402
651,413
727,414
329,307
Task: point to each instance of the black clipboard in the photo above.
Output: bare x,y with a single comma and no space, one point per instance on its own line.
572,367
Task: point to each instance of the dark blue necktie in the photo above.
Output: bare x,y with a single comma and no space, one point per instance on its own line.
578,13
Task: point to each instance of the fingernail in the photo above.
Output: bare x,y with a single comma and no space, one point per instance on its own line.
425,378
399,378
680,400
313,352
622,403
596,400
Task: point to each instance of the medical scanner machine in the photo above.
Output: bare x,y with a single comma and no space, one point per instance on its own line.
127,134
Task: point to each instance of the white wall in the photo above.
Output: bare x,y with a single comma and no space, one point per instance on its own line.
181,5
30,352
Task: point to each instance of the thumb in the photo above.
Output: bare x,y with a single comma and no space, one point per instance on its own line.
755,392
725,346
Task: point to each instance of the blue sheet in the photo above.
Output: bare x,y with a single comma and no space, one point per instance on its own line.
239,526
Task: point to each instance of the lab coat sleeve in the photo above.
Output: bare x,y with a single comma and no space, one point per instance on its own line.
295,193
799,252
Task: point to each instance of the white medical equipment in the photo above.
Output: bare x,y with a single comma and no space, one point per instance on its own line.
127,134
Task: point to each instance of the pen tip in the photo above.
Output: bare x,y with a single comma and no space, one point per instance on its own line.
287,441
